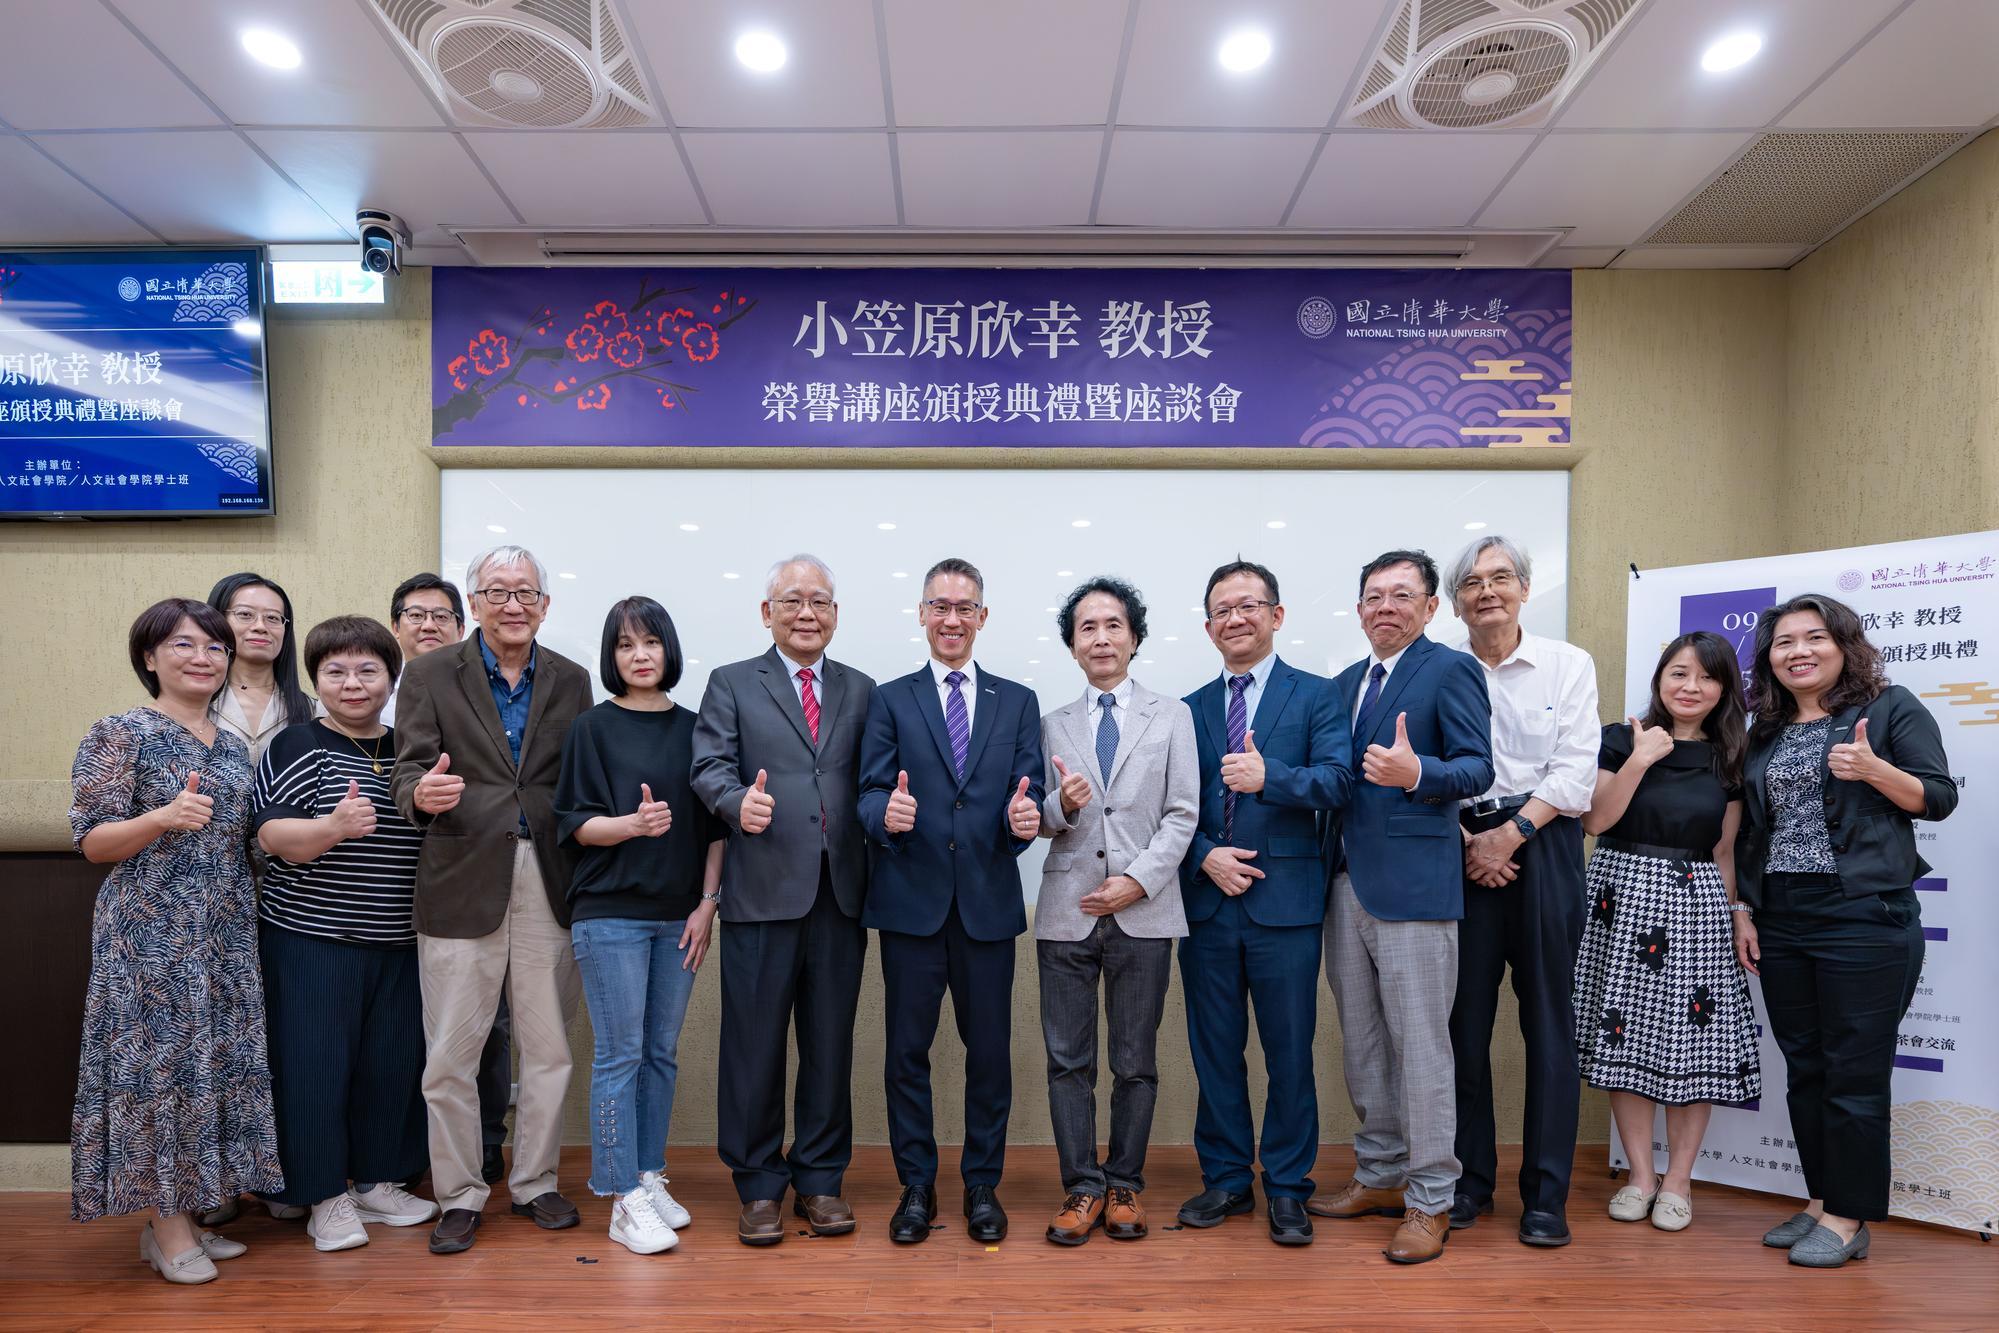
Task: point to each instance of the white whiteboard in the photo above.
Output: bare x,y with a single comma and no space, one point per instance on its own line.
701,542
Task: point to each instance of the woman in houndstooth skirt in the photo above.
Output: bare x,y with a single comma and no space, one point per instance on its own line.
1662,1007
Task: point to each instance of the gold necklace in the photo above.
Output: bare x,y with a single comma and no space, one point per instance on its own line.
375,758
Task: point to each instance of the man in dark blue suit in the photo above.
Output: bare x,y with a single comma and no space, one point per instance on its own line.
950,796
1274,752
1422,732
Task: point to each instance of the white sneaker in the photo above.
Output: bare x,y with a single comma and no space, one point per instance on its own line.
671,1213
637,1225
391,1205
334,1225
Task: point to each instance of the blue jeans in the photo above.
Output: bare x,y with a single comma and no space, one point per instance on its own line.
637,991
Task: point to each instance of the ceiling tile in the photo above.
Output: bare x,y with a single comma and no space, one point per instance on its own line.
1418,179
1580,256
1709,256
349,75
1184,179
73,66
44,205
795,180
999,179
582,180
1652,78
831,78
1567,182
1931,66
1024,62
192,186
423,177
1175,77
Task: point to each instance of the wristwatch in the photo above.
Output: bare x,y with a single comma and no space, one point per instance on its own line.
711,897
1526,826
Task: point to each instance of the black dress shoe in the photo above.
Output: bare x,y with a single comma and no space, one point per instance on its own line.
1288,1223
1210,1207
910,1223
985,1220
550,1211
1466,1210
494,1166
454,1232
1548,1229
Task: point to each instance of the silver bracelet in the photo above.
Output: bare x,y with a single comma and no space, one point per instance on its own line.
1741,907
711,897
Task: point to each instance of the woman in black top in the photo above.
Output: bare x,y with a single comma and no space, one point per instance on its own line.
1840,765
1662,1007
642,903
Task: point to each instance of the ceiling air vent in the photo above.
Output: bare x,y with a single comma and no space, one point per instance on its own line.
1480,64
523,64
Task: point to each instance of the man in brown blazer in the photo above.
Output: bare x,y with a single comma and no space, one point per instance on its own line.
479,732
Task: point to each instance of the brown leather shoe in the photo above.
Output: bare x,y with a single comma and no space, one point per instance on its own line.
760,1223
455,1231
1354,1199
550,1211
825,1214
1080,1215
1420,1238
1124,1215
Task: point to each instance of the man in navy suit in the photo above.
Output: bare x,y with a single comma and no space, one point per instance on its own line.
951,792
1422,731
1274,751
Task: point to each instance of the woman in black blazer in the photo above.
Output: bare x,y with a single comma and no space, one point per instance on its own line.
1840,765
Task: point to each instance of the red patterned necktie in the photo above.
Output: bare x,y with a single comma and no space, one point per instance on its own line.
809,702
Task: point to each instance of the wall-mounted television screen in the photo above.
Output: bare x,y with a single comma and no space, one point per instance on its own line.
132,384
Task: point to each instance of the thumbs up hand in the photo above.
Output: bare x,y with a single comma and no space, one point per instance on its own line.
758,805
900,817
1076,789
1023,816
438,789
353,816
1242,773
190,811
652,818
1649,744
1854,761
1393,765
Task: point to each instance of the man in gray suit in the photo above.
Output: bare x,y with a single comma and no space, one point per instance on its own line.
1123,798
776,756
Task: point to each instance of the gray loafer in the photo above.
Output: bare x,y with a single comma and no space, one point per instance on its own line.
1822,1248
1786,1234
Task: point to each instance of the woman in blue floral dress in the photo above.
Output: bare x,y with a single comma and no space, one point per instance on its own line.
173,1089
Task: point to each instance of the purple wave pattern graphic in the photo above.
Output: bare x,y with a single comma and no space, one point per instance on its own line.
1426,396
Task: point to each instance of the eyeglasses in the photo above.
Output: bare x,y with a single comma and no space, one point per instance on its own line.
963,610
334,677
790,606
1499,582
499,596
187,650
1401,599
246,617
1247,610
417,615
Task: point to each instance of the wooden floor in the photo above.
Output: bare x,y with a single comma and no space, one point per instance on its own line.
54,1274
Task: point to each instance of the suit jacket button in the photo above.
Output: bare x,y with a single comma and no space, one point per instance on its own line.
1100,856
1110,812
959,806
818,772
954,844
511,836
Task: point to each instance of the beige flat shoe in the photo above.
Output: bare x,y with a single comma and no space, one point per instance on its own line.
1631,1205
190,1268
1673,1212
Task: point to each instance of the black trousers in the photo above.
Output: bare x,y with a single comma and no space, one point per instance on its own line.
916,971
1534,926
778,976
1838,974
496,1077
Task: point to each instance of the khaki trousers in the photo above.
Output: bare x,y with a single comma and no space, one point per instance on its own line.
530,955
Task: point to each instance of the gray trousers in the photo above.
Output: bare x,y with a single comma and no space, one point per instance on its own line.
1393,982
1135,973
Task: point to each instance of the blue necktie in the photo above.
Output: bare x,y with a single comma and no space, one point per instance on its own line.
1367,703
1238,732
957,723
1107,735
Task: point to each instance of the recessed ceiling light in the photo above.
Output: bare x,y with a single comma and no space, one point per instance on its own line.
761,51
247,328
1041,638
1340,613
1476,525
494,527
731,574
1275,523
916,638
1049,609
1079,522
1065,573
1244,49
694,661
900,574
1731,52
886,527
1034,661
1297,641
565,575
1173,638
269,48
690,527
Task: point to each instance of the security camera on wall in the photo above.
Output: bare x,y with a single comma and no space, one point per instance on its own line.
383,236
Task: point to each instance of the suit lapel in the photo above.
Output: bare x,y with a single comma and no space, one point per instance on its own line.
775,673
1214,714
829,701
1277,692
479,694
1406,670
983,721
924,685
544,685
1072,729
1144,707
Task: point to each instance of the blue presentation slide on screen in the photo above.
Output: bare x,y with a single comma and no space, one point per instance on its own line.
132,383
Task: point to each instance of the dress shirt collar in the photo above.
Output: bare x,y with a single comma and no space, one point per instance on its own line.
1122,694
938,671
792,668
493,663
1388,662
1260,673
1528,650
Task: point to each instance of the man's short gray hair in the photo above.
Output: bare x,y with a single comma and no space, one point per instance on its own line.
501,557
1462,564
802,558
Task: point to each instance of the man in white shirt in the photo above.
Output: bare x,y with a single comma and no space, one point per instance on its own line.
1524,887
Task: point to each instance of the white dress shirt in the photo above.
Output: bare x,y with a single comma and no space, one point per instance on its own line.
1092,701
817,666
1545,731
969,690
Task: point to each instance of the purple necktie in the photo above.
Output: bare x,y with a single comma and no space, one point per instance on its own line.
1238,730
957,723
